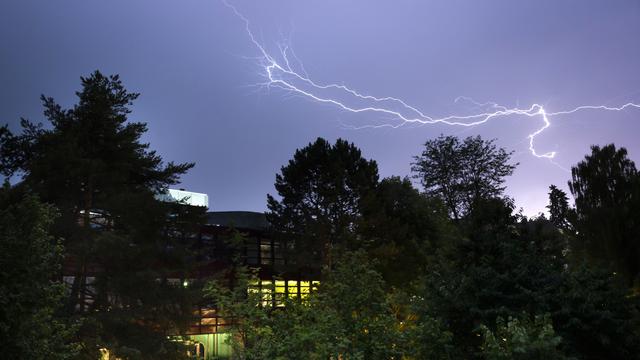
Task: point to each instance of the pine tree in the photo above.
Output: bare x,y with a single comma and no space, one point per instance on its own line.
606,188
120,246
560,213
321,192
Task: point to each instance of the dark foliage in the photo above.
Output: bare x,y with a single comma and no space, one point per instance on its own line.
462,173
321,190
401,229
30,292
500,268
560,213
596,317
450,273
121,243
606,188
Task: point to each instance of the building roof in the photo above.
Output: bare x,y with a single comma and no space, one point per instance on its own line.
238,219
185,197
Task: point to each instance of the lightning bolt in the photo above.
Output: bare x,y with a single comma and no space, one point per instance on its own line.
279,73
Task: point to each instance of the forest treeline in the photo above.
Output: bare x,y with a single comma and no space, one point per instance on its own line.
446,270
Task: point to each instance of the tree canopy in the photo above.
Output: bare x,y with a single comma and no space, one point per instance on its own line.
401,230
321,190
461,173
119,240
30,290
606,188
560,213
452,272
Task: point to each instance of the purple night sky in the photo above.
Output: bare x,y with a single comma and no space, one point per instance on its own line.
195,67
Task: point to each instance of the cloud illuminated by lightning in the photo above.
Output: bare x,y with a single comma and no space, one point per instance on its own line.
279,73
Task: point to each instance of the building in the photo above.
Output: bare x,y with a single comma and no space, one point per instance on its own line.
278,278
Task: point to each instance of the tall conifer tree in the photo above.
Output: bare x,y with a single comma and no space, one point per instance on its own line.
606,188
321,190
120,241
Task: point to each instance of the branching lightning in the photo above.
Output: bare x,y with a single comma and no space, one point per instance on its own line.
279,73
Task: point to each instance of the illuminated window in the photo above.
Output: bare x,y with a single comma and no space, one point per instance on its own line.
280,292
304,289
274,292
266,292
210,322
292,289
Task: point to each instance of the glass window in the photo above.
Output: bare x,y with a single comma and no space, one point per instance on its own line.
265,252
292,289
252,252
274,292
304,289
281,292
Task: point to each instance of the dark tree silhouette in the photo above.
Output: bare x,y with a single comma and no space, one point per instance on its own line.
501,266
401,229
505,265
606,188
30,298
560,213
91,165
321,190
462,173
